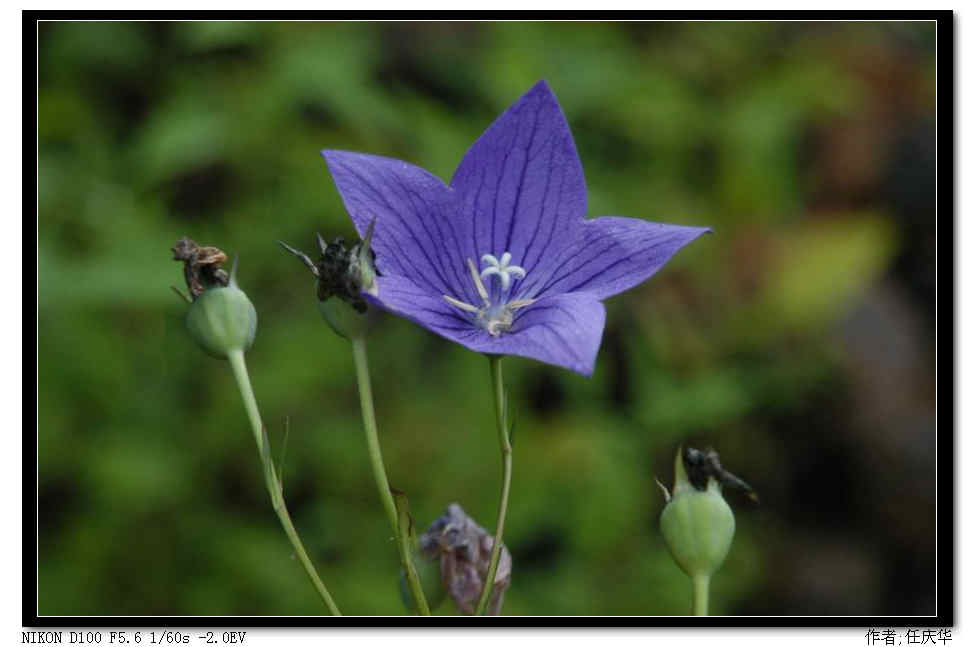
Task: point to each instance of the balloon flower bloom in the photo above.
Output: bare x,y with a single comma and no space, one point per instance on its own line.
502,260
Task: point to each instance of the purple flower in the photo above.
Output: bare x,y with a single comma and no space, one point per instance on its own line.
502,260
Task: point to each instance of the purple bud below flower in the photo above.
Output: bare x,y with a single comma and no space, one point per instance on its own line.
464,550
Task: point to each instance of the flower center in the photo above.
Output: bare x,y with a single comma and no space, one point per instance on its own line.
494,318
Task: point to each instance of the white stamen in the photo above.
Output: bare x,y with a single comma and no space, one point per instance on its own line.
477,282
520,303
460,304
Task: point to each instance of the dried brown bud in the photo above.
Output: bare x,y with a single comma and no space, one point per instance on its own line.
464,549
201,266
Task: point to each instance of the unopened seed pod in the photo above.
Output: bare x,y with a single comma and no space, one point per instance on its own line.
221,320
344,319
697,525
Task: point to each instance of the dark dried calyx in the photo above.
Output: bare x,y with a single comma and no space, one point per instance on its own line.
336,276
704,465
341,272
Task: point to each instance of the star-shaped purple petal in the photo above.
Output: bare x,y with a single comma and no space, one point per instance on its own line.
502,260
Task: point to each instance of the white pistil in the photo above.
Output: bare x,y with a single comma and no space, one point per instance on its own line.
501,268
495,319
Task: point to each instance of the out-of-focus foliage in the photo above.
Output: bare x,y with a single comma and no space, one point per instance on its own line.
797,339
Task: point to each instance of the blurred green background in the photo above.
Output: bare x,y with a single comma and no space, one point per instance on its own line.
797,340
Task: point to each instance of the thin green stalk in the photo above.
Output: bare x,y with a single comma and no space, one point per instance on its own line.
701,585
500,410
270,477
379,471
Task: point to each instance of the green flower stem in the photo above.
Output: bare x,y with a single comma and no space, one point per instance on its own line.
236,358
382,483
701,584
500,410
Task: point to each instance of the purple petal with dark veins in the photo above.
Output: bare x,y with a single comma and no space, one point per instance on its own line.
564,329
420,304
610,255
520,185
416,235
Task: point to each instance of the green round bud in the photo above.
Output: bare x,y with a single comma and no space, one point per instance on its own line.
428,570
698,528
222,320
697,525
344,319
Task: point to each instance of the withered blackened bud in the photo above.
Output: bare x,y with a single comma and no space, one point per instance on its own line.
343,273
464,549
336,277
201,266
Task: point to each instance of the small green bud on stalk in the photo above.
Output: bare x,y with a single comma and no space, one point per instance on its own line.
222,320
697,524
342,277
698,527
